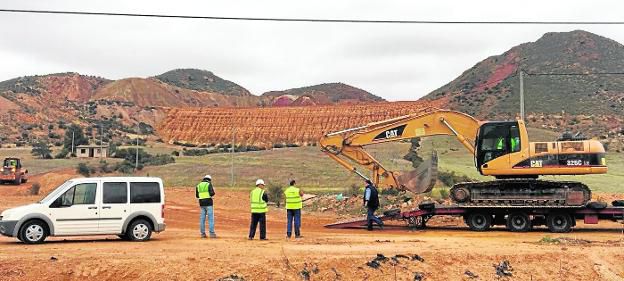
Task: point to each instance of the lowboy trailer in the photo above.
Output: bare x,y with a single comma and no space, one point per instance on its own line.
515,218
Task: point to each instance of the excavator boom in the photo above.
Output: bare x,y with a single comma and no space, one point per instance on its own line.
348,145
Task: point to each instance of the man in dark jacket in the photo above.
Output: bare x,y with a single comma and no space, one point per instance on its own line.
204,192
371,202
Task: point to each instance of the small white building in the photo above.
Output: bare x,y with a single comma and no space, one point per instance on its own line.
92,151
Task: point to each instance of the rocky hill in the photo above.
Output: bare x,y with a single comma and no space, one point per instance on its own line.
491,88
150,92
275,125
323,94
202,81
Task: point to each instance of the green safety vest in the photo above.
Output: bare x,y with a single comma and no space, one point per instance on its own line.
257,204
203,189
500,143
514,144
293,199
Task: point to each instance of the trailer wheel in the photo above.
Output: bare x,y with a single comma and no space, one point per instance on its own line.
478,221
559,222
518,222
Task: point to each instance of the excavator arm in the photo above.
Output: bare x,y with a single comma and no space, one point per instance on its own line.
347,146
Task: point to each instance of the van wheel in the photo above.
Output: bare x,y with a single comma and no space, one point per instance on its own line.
139,230
518,222
559,222
33,232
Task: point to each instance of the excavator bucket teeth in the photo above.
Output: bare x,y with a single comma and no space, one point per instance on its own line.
423,178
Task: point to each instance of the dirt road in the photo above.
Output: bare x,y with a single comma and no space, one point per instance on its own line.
449,250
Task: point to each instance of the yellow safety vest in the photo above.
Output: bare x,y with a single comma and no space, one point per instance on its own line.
293,199
203,189
257,204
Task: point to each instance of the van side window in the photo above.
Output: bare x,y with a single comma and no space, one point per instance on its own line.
144,192
85,193
80,194
115,193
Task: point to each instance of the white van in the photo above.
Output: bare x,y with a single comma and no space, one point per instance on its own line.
130,207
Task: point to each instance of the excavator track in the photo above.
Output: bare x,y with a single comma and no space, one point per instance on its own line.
521,193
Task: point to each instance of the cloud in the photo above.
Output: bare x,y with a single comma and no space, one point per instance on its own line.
397,62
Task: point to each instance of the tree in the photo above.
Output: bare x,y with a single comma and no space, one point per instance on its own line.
78,136
41,149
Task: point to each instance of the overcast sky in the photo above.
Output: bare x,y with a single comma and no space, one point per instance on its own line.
394,61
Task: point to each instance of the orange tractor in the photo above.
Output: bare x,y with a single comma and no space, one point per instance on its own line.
12,171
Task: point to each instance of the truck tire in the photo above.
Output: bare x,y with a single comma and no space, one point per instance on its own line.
33,232
139,230
618,203
559,222
479,221
24,180
518,222
17,181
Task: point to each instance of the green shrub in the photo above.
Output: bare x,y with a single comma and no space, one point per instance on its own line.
175,153
62,154
105,168
83,169
275,193
34,188
352,190
41,149
390,191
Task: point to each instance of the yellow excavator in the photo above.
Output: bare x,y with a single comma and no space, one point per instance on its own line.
500,148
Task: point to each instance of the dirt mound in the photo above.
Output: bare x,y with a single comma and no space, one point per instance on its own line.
283,125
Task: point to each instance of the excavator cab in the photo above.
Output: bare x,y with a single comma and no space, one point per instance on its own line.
495,140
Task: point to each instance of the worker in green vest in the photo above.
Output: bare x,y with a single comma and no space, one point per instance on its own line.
293,209
259,201
204,193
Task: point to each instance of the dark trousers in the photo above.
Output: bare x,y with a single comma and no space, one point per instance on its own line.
293,215
370,217
255,218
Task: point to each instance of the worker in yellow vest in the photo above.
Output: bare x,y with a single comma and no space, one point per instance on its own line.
293,209
204,192
259,201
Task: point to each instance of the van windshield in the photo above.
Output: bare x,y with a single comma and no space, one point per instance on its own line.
55,192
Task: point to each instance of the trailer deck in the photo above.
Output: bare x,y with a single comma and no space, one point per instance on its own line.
498,215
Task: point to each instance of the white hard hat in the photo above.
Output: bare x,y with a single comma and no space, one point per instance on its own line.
208,177
259,182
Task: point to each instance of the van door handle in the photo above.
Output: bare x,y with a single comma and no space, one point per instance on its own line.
92,208
106,207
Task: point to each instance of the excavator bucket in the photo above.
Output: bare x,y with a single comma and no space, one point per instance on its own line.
423,178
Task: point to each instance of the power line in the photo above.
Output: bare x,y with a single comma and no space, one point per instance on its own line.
311,20
574,74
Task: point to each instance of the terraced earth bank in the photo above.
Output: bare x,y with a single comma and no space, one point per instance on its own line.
285,125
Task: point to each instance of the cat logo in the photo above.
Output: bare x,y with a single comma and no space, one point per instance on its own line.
536,163
392,133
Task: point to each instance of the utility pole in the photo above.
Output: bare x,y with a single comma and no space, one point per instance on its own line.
232,154
72,147
101,139
521,95
136,158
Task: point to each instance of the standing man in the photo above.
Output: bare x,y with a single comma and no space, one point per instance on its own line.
371,202
204,192
259,208
293,209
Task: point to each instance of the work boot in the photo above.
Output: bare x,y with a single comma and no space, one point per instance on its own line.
298,236
213,235
288,235
203,236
